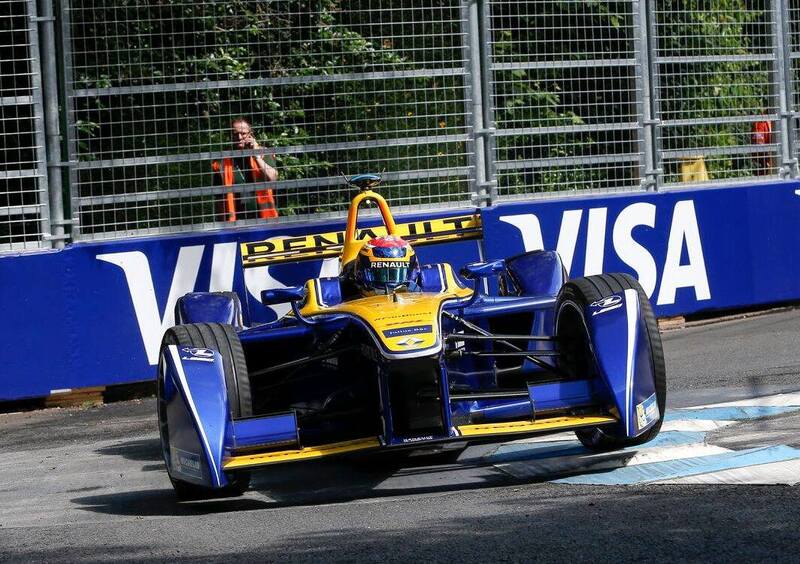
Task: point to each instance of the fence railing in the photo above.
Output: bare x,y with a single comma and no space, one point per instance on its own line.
718,78
327,90
456,102
567,93
24,214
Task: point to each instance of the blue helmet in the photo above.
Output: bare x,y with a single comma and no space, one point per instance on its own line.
384,263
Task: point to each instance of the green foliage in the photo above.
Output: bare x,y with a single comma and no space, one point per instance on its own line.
563,95
723,83
229,45
317,77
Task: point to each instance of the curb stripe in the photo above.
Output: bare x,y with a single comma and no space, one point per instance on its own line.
540,451
729,413
602,464
671,469
694,425
776,400
786,472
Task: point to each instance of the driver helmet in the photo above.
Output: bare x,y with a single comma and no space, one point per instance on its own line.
384,263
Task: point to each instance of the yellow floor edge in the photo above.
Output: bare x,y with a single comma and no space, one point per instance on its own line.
306,453
530,426
484,429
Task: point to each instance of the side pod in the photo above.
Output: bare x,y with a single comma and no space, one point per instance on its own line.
537,273
623,357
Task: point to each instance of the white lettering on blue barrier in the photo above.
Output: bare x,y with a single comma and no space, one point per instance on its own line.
595,242
683,230
143,295
693,274
152,324
629,250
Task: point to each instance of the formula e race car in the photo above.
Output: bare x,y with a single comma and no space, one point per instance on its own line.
393,354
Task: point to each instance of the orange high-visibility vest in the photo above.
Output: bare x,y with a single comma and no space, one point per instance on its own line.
762,133
264,198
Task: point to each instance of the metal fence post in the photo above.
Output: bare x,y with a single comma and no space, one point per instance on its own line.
51,121
483,194
649,180
652,103
68,141
489,129
781,24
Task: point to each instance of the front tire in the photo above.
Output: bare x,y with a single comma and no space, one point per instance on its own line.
578,359
223,339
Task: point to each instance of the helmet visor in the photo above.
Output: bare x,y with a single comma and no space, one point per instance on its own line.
387,276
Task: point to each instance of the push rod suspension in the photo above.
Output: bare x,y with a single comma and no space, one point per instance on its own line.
512,354
300,362
537,361
489,395
468,337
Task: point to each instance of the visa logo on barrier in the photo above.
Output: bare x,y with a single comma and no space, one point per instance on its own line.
683,232
152,324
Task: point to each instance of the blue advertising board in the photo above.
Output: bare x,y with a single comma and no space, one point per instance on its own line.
692,250
94,313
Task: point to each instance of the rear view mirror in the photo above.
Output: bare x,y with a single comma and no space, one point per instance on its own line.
283,295
483,269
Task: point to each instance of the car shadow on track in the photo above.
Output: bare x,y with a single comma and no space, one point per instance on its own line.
547,523
328,481
161,503
144,450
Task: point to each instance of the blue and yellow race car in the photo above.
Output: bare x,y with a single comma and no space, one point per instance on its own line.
393,354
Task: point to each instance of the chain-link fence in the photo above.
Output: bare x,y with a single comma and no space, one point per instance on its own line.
327,88
718,78
23,188
197,115
566,91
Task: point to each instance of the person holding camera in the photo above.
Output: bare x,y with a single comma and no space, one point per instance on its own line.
245,170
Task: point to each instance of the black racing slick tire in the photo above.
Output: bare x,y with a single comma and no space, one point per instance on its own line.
223,339
577,357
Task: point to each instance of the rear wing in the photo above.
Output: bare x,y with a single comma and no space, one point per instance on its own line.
278,250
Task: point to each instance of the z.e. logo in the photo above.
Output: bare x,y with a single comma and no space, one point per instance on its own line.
606,304
203,355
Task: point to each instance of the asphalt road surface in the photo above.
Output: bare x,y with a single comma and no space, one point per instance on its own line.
717,484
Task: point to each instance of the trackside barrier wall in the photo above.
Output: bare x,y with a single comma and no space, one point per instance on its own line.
93,314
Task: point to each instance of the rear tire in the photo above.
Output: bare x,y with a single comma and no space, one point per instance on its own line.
578,359
223,339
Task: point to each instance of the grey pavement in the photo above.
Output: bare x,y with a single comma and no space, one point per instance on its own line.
90,485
